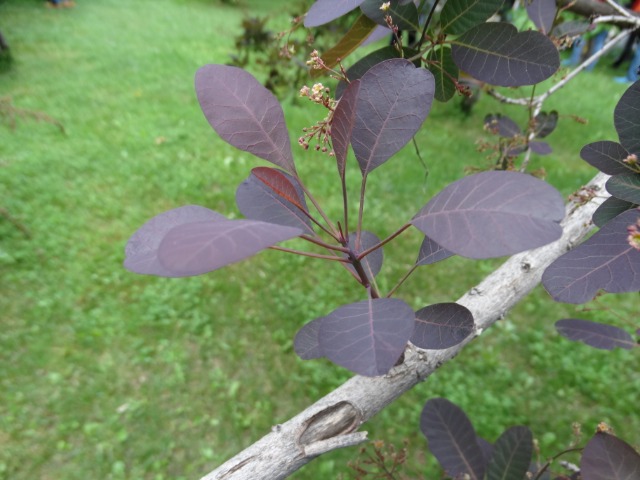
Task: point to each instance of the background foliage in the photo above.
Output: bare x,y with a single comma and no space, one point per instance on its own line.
112,375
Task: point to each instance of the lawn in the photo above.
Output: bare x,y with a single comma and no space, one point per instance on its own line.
110,375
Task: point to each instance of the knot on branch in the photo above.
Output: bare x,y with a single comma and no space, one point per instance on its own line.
339,419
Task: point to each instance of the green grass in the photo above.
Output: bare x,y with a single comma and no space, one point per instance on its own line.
106,374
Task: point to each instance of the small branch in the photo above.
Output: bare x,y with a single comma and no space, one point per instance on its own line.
328,246
401,281
309,254
618,8
383,242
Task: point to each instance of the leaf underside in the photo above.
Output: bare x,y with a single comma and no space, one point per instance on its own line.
491,214
594,334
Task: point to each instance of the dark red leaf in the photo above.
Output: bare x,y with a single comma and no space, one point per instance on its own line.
542,13
272,196
244,113
342,124
545,123
306,343
452,439
502,125
491,214
597,335
441,326
605,261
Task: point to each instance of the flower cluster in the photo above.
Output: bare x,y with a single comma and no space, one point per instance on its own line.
315,62
385,6
319,94
634,235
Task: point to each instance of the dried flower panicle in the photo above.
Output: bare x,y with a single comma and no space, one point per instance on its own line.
634,235
321,131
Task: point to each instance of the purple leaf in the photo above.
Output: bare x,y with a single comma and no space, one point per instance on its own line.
431,252
627,120
606,457
201,247
452,439
394,100
342,124
306,343
497,54
324,11
597,335
379,32
445,72
605,261
441,326
545,123
572,28
606,156
141,251
541,148
367,337
625,187
244,113
273,196
491,214
511,454
362,66
501,125
610,209
458,16
542,13
372,263
487,449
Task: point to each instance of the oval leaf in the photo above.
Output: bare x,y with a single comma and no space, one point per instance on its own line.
606,156
610,209
545,123
372,263
497,54
452,439
324,11
197,248
306,343
501,125
367,337
626,119
491,214
605,261
273,196
625,187
394,100
606,457
511,455
244,113
542,13
441,326
141,251
541,148
431,252
458,16
597,335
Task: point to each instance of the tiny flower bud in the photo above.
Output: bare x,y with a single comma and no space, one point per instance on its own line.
385,6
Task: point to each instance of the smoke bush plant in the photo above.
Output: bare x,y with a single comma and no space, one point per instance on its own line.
380,104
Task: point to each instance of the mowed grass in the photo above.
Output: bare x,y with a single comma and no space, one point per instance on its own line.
106,374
